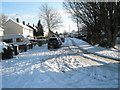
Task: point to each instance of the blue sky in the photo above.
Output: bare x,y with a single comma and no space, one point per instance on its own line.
28,12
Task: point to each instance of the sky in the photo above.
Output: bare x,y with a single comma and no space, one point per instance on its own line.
29,12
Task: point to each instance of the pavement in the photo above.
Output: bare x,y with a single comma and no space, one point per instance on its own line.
100,51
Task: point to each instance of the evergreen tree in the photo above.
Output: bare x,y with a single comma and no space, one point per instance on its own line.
39,29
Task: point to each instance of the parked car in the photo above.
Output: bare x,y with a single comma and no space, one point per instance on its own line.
34,41
54,42
62,39
19,42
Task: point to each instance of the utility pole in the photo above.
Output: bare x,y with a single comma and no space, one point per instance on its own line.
77,25
69,28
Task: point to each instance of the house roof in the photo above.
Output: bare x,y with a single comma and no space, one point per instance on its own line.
34,28
20,24
1,29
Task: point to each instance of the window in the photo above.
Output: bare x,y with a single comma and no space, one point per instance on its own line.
8,40
19,40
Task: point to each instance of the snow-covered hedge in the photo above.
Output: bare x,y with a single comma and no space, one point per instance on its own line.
3,45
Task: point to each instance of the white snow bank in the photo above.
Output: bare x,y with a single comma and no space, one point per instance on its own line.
97,50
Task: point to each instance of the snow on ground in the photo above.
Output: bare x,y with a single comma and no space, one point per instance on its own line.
60,68
97,50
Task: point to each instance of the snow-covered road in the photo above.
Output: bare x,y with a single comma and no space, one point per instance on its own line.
67,67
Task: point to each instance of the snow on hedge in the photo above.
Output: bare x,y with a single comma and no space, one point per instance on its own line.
3,45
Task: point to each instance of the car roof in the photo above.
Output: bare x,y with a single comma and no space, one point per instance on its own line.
52,37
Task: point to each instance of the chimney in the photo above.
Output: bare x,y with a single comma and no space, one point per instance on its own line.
23,22
28,24
33,25
17,20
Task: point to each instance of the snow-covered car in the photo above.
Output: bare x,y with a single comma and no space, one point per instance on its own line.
15,39
19,42
53,43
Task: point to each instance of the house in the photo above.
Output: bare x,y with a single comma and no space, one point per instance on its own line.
34,30
14,27
1,31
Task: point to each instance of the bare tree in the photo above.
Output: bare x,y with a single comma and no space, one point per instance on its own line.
3,19
101,19
51,17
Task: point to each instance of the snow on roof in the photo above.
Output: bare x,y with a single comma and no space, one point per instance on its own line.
1,29
20,24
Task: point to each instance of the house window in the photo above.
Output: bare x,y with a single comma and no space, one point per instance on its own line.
8,40
19,40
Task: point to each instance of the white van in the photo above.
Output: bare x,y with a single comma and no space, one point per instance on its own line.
14,39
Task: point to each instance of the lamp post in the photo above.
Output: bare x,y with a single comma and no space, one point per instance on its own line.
77,24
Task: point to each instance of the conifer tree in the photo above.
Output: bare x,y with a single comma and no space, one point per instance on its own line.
40,31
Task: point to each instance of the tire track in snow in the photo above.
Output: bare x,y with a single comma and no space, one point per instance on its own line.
67,50
21,67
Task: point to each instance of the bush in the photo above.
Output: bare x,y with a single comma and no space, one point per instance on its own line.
7,53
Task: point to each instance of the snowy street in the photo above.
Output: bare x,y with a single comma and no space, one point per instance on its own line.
66,67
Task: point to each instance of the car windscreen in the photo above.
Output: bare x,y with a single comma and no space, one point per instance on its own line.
53,40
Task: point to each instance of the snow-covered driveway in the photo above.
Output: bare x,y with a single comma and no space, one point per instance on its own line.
61,68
